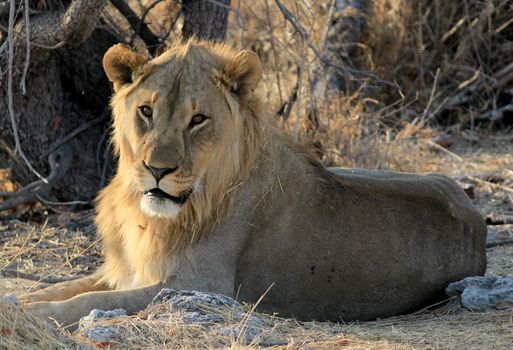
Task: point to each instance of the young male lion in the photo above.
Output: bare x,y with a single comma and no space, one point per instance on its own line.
210,196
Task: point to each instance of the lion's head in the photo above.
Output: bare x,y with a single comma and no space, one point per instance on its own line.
185,124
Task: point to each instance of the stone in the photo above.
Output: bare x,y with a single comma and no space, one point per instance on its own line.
481,293
192,307
203,308
499,235
89,328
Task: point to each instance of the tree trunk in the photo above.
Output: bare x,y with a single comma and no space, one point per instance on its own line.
65,89
341,48
205,19
344,34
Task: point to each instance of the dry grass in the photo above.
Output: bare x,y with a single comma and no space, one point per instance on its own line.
467,41
430,52
19,330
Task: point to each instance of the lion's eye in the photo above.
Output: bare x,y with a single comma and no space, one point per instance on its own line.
146,111
197,119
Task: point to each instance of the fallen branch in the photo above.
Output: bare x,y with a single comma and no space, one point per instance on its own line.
494,115
444,150
491,184
60,162
46,47
32,277
504,76
54,203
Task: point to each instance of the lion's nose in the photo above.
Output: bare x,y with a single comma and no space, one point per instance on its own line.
158,173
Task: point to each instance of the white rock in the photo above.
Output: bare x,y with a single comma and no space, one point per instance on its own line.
481,293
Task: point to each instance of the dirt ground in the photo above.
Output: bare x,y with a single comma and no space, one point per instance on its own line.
60,244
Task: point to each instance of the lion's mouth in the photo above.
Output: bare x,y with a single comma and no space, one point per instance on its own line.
157,192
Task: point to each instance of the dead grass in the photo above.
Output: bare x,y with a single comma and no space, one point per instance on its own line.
63,246
444,329
468,42
19,330
432,53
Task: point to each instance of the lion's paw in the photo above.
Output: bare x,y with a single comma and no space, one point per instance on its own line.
48,310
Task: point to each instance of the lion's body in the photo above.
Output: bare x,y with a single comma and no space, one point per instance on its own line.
259,214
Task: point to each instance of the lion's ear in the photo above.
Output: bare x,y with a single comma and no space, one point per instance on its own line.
119,62
242,73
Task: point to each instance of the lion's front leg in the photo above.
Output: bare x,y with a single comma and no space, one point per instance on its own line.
66,290
69,312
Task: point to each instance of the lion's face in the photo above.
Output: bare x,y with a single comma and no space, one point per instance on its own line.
173,122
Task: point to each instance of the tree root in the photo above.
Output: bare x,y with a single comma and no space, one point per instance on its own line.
60,162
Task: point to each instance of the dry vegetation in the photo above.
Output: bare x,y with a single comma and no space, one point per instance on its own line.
437,67
430,91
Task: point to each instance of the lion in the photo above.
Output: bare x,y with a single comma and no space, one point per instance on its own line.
210,195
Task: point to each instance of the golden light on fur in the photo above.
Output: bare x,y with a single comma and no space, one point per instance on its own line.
124,213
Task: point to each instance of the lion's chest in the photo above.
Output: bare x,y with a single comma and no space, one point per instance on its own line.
146,256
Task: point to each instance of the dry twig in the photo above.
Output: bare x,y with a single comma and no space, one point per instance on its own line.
495,114
500,79
32,277
137,30
286,106
491,184
27,49
297,126
302,32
